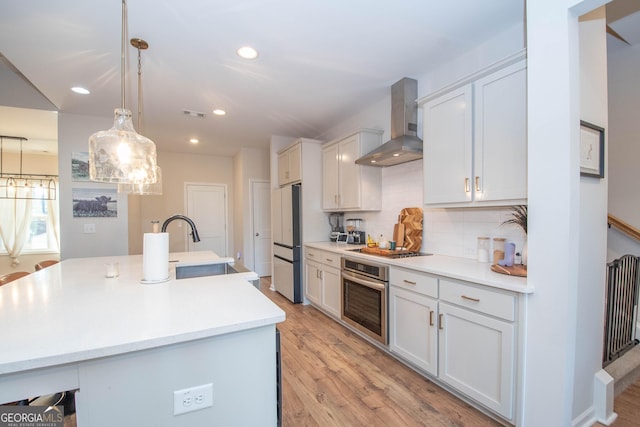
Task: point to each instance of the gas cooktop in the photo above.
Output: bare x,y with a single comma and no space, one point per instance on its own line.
389,253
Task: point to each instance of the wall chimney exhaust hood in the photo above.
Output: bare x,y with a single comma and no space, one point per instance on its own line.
404,145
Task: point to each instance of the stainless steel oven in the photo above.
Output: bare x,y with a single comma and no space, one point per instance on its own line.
364,297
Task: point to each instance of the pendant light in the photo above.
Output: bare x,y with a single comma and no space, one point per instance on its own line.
120,155
22,185
139,188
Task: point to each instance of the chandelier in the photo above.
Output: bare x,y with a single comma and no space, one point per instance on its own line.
120,155
21,185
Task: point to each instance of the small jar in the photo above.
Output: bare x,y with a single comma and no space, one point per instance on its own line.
483,249
498,249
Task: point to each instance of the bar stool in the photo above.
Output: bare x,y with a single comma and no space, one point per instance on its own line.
10,277
45,264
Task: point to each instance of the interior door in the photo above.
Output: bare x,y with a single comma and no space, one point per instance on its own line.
261,233
207,207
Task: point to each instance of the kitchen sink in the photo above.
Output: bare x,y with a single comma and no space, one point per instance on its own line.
201,270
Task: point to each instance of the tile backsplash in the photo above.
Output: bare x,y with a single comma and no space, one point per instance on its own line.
451,231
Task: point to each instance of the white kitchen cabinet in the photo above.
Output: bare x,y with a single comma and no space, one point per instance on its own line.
461,333
413,330
475,141
322,280
347,186
289,165
313,281
476,351
413,316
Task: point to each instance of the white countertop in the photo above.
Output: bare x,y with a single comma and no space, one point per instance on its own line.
453,267
69,312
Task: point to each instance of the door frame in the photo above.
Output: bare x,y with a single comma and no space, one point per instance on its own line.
226,211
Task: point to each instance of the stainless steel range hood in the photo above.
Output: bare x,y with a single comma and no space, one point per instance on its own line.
404,145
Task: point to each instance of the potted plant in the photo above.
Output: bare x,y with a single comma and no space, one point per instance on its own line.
519,218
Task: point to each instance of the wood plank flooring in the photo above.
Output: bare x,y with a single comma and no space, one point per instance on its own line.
332,377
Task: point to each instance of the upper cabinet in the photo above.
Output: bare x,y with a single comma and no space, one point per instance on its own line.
475,141
289,165
347,186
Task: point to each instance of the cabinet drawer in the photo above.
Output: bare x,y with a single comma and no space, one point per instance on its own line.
330,258
414,281
492,302
324,257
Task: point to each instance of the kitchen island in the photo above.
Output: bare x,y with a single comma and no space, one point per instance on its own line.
128,346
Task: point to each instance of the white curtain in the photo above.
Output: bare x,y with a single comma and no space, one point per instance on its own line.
15,222
53,226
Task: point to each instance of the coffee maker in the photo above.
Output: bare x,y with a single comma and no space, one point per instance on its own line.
355,235
335,221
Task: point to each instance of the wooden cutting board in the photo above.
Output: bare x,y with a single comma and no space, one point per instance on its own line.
383,252
515,270
411,218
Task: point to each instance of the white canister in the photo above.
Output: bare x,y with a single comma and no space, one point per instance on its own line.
483,249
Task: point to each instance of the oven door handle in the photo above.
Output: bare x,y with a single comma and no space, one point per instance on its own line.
359,280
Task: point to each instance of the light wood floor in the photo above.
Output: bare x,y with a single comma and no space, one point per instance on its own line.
332,377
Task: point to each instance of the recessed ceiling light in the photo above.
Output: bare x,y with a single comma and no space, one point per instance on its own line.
396,154
219,112
80,90
194,140
247,52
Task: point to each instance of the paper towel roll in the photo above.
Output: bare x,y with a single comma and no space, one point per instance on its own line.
155,257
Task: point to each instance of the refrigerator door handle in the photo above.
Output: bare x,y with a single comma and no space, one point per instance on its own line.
283,259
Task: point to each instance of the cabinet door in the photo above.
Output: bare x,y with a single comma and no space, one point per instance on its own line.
476,356
412,328
295,160
330,159
276,215
283,168
349,173
500,139
313,282
331,290
448,150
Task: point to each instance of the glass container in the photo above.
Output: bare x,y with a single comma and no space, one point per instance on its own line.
483,249
498,249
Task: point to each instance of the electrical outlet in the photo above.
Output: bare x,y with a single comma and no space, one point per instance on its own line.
89,228
192,399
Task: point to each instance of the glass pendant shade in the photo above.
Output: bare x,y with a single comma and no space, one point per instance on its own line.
120,155
144,189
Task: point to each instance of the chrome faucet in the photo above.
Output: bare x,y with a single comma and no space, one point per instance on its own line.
194,232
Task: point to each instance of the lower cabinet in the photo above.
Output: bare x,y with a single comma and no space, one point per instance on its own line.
322,280
476,357
462,333
413,333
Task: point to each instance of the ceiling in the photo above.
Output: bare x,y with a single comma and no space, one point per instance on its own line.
318,63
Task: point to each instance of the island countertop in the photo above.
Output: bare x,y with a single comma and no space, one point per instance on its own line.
70,312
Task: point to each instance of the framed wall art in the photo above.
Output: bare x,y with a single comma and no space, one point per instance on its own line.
591,150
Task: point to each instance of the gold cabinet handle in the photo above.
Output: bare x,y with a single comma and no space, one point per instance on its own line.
470,298
466,185
440,321
431,318
328,260
408,282
477,183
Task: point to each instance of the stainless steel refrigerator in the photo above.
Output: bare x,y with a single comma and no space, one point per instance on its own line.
287,270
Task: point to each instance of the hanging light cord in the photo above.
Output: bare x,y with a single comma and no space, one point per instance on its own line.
139,91
123,55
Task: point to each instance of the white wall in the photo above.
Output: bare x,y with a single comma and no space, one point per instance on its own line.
590,298
110,237
250,164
